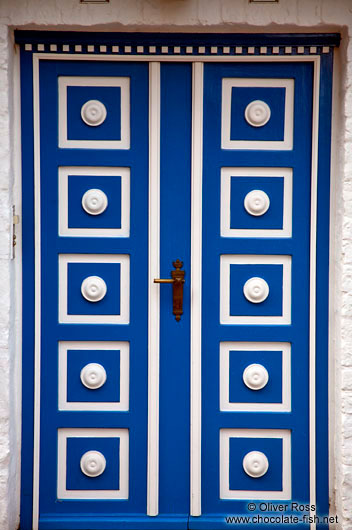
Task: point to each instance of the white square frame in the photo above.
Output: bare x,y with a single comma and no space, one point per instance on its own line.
63,492
123,347
225,216
226,493
254,259
123,317
88,81
123,172
226,347
227,84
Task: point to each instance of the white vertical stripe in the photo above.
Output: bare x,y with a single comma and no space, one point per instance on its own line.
312,297
37,292
154,303
196,286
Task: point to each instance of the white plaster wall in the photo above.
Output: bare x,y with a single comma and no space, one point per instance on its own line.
180,15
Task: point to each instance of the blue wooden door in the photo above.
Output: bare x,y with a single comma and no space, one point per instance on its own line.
94,241
133,418
256,241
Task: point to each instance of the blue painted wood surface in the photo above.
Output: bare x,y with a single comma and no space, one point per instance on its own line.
135,420
175,243
298,247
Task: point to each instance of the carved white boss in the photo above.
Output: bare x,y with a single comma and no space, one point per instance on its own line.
93,112
256,202
94,201
93,463
93,288
93,375
256,290
257,113
255,464
255,376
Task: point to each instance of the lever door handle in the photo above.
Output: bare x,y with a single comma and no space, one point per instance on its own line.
177,279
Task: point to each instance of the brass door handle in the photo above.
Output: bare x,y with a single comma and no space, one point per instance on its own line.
177,279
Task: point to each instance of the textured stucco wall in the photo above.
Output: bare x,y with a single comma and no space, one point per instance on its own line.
180,15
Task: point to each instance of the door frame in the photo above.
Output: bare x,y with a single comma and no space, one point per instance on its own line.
197,49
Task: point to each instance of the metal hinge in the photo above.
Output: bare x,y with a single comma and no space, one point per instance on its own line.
15,221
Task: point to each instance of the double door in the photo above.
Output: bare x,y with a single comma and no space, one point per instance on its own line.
156,405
